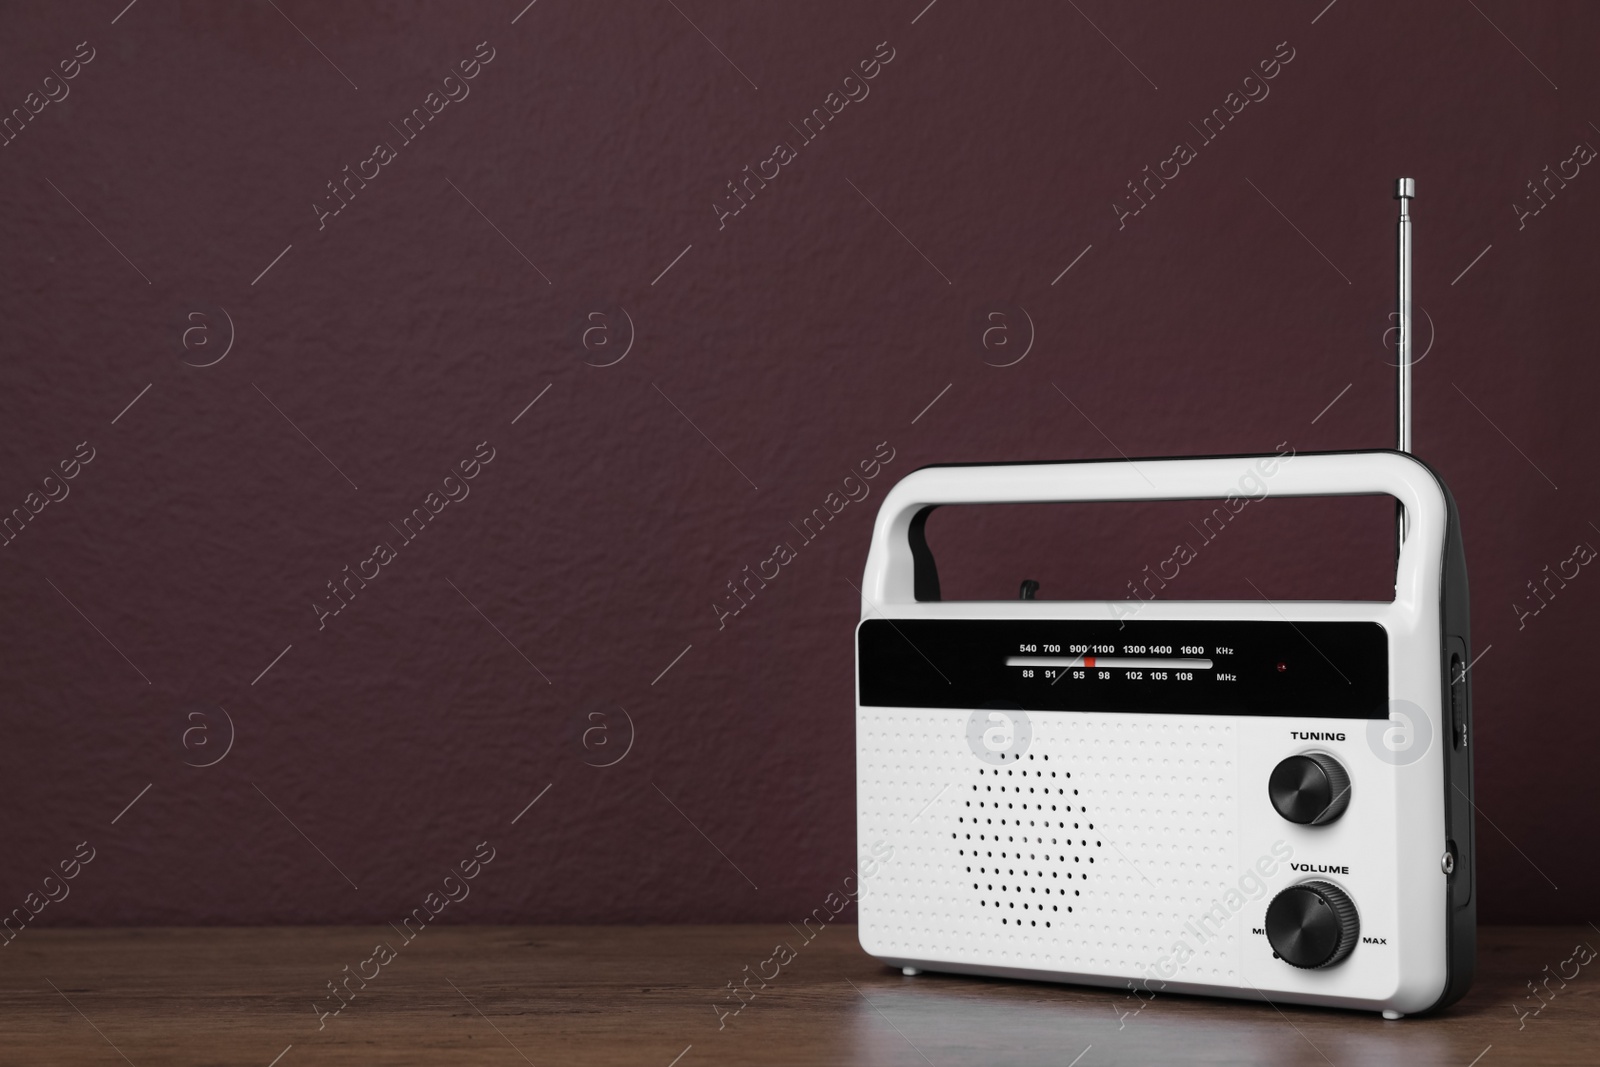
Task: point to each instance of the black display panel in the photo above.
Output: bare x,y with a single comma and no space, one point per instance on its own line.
1322,669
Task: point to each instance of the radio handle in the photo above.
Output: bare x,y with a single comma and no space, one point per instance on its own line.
900,567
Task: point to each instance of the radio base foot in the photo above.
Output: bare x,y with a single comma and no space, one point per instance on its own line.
1387,1014
910,972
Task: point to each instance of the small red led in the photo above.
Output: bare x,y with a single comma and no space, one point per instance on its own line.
1282,666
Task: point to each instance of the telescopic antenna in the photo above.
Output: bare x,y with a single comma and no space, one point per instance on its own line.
1404,190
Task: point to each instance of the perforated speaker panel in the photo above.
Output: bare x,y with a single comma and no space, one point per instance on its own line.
1111,838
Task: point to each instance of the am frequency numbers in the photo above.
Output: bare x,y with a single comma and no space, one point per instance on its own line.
1137,663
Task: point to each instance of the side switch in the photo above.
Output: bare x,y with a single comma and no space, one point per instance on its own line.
1458,703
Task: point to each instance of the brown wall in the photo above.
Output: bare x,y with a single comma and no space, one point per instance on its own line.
788,344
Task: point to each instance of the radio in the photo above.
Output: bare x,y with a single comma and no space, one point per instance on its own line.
1049,790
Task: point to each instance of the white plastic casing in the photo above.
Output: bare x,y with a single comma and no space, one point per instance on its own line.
1166,814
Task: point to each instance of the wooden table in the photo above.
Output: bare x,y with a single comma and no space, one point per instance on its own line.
646,995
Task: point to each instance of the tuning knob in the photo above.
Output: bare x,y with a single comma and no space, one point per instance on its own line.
1310,789
1312,924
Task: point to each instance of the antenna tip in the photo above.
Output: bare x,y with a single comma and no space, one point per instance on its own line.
1405,188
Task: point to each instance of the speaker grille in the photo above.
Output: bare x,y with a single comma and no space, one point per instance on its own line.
1092,851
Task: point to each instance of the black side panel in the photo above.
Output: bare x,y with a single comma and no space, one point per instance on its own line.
1456,653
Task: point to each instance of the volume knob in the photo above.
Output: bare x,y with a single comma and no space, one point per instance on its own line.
1312,924
1310,789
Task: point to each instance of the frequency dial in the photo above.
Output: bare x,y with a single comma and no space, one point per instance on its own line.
1310,789
1312,924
